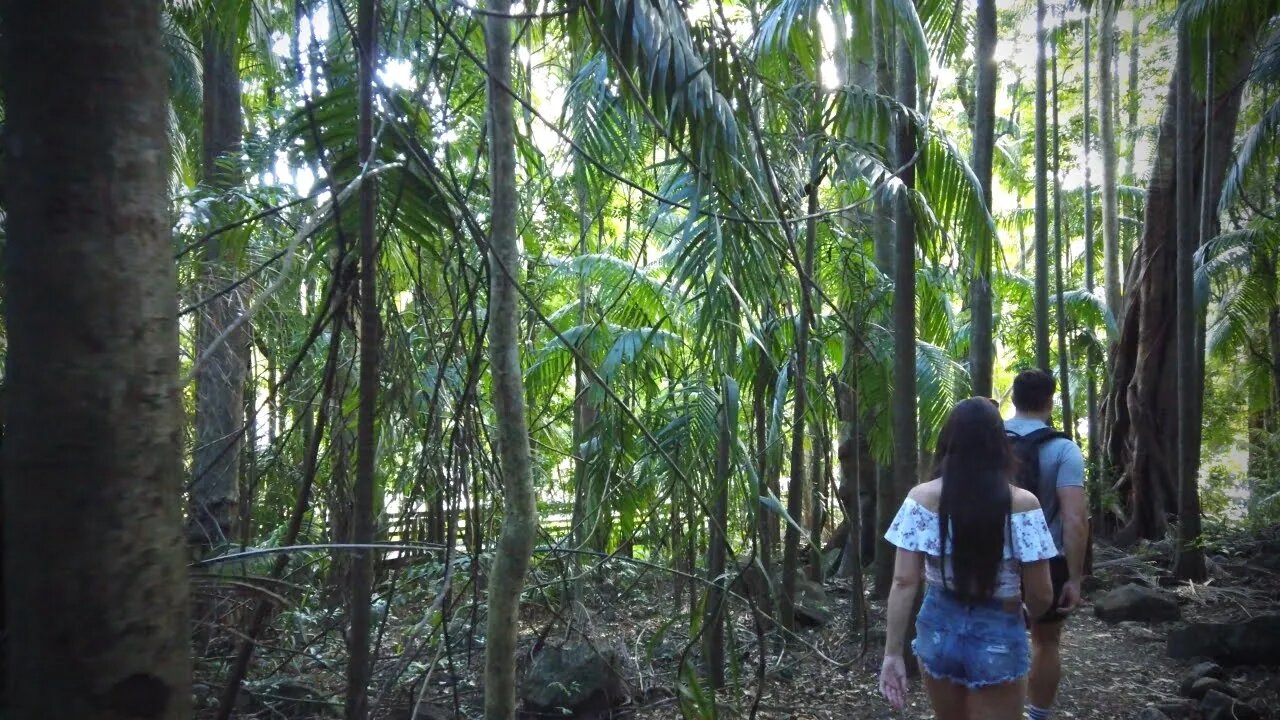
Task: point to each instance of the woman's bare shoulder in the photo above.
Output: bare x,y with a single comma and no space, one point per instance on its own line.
927,494
1024,500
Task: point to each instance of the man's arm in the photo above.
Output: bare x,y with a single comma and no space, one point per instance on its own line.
1075,524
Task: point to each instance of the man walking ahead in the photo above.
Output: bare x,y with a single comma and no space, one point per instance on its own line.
1052,467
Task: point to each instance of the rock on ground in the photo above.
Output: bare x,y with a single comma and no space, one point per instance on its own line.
1178,709
1253,642
1136,602
575,679
1220,706
1205,685
1198,672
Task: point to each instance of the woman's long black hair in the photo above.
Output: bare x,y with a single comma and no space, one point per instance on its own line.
976,465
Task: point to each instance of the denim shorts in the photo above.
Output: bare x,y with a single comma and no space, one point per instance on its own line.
971,645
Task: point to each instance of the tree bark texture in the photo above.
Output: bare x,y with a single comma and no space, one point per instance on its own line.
363,495
1188,557
1090,261
1134,97
762,391
800,374
854,460
1043,361
981,344
717,548
96,582
905,437
1140,412
519,518
885,507
220,378
1059,263
1107,138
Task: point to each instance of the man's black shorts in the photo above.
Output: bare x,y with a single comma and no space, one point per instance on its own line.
1060,573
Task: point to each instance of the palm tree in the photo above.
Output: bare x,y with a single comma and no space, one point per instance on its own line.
905,427
93,415
1134,97
1059,257
515,546
982,348
1189,560
358,667
1107,138
1090,256
1042,194
220,377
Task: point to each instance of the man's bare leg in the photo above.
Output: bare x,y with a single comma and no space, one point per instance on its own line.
1046,668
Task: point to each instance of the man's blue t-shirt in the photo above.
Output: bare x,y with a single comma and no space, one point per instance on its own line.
1061,465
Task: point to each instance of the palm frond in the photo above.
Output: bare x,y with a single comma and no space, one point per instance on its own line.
1256,157
651,41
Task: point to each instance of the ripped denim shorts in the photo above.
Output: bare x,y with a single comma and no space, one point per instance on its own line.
972,645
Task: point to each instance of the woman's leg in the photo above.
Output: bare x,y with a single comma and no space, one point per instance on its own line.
998,702
948,699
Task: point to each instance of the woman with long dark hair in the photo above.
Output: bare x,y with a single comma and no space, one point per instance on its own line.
981,547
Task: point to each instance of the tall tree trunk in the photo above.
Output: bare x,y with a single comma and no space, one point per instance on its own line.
1059,261
1141,418
1042,194
905,438
885,508
818,485
981,342
362,525
853,462
714,618
584,416
96,580
339,495
1089,269
1189,557
857,491
1106,111
519,520
1134,97
800,374
220,374
767,522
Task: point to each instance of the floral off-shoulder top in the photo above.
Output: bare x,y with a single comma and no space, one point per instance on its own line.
1027,539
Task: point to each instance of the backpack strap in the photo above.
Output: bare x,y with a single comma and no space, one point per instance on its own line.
1039,436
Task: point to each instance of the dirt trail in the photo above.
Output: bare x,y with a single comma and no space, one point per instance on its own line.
1111,671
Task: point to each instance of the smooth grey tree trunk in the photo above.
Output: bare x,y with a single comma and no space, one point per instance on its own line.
1107,114
362,520
1189,556
519,511
884,507
1042,194
905,437
1134,98
1059,261
220,376
800,389
95,568
1089,257
982,343
717,546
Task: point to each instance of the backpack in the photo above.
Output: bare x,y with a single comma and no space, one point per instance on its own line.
1026,448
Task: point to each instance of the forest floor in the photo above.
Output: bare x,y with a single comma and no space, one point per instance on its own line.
1110,670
